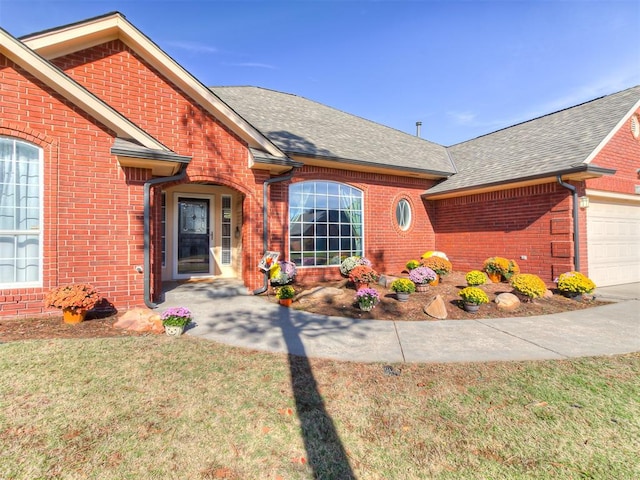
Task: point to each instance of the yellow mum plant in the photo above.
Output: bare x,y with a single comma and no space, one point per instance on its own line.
575,283
473,295
475,277
528,284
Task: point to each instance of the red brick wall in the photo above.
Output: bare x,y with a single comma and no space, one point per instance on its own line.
386,245
92,218
535,222
621,153
119,77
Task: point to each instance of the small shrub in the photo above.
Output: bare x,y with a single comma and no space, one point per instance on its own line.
367,297
422,275
78,296
475,277
363,274
502,266
473,295
350,263
282,273
285,292
403,285
529,285
575,282
176,317
439,265
411,264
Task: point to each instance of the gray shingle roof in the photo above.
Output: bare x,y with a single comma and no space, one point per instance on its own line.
304,127
546,146
543,146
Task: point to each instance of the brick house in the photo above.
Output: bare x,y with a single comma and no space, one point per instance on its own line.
121,169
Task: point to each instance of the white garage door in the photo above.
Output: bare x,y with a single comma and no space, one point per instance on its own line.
613,239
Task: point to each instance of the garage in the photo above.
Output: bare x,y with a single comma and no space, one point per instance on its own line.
613,242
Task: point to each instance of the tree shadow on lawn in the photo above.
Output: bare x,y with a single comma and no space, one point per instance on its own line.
326,454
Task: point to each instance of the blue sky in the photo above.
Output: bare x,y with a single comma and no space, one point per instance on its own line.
462,68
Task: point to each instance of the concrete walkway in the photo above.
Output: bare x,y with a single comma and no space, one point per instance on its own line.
225,312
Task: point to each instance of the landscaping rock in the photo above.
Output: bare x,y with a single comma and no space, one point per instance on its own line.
437,308
547,294
507,301
385,280
140,320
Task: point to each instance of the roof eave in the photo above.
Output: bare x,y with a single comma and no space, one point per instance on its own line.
576,173
366,166
161,163
260,160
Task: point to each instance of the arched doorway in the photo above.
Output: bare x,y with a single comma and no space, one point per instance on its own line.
202,227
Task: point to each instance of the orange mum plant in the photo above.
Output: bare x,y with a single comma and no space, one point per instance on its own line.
79,296
439,265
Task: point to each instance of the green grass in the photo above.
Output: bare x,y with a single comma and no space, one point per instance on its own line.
153,407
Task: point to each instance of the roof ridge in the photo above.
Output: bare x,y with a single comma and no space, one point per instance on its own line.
571,107
324,105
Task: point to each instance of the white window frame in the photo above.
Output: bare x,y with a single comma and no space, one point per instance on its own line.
334,256
224,250
39,232
404,215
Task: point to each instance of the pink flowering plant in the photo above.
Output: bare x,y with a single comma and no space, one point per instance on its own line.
350,263
176,317
422,275
367,297
79,296
282,273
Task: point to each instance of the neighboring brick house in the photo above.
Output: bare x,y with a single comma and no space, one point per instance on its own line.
119,168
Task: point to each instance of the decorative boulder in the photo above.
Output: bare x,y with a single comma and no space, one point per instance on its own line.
385,280
547,294
140,320
507,301
436,308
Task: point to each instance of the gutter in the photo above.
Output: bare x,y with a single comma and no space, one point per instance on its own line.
147,226
265,211
576,226
430,194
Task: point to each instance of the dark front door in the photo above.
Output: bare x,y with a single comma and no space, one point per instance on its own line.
194,235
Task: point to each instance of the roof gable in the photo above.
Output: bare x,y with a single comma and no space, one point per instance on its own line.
57,80
70,38
563,142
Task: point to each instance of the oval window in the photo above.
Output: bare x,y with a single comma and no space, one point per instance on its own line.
403,214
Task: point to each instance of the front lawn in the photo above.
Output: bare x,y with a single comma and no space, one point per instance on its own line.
154,407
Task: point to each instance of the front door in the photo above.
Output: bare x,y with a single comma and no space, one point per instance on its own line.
194,236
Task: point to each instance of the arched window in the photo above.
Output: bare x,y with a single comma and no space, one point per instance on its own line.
20,213
403,214
325,223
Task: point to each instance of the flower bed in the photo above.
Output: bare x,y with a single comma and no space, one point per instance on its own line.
343,304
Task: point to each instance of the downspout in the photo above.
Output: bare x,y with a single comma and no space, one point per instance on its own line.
265,211
147,230
576,225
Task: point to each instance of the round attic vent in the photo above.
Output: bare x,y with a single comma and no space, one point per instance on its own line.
635,126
